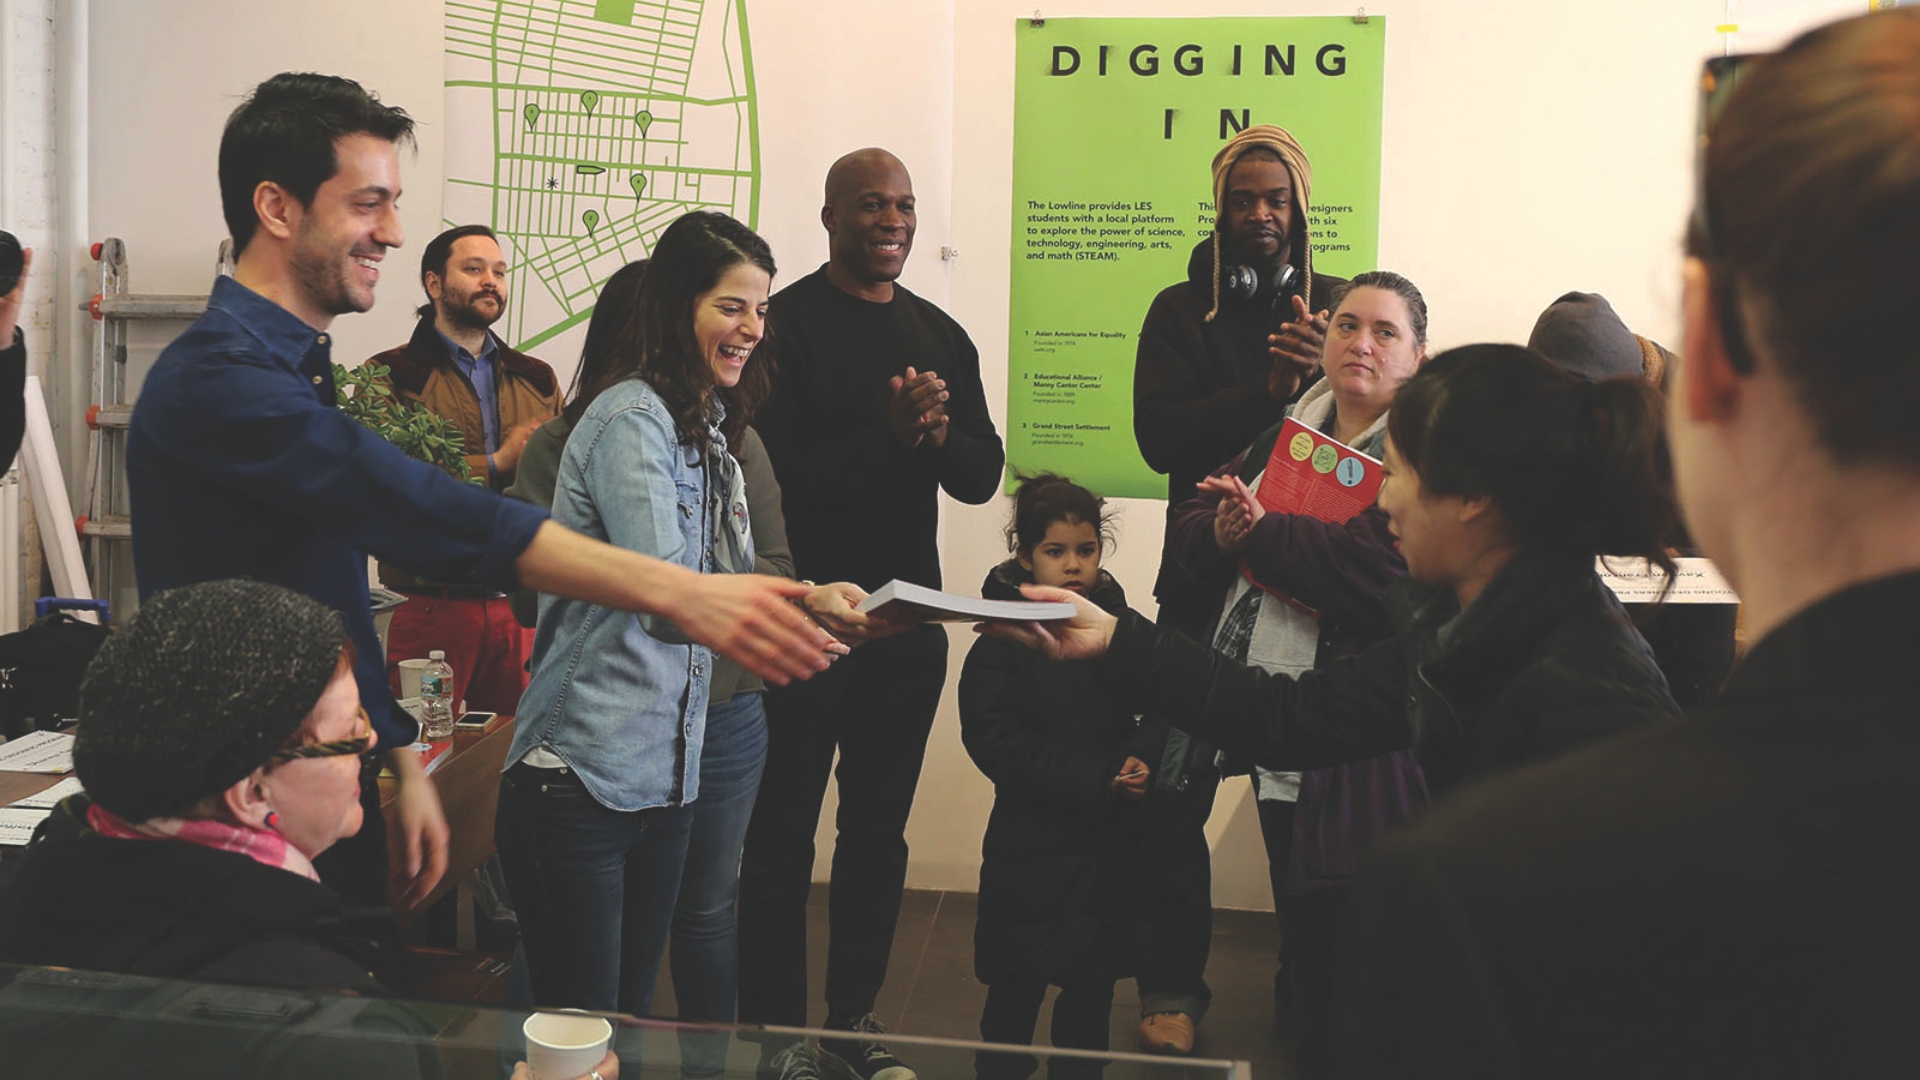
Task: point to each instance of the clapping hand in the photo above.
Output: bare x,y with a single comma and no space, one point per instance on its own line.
1296,350
11,302
919,408
1237,513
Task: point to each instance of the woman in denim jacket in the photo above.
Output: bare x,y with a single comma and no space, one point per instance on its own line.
594,806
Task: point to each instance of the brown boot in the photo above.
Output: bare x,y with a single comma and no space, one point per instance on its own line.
1167,1033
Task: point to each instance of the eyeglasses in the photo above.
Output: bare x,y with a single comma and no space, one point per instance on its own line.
1718,78
353,745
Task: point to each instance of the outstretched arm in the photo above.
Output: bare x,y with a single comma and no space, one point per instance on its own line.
746,618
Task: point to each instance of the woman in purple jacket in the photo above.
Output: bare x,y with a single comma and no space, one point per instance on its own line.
1315,823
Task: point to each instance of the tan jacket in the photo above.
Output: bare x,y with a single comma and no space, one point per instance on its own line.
423,371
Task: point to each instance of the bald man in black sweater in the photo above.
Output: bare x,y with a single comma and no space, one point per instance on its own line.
876,408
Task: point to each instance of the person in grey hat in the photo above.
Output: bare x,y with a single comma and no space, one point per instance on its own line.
1694,644
1582,333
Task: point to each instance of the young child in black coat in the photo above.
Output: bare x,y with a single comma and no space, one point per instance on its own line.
1059,873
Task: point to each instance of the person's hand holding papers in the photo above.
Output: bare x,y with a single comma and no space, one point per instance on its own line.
1082,637
836,608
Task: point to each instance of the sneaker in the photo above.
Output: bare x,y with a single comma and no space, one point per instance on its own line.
1167,1033
864,1059
794,1062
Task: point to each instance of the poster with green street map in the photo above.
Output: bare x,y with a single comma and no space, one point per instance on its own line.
579,129
1116,122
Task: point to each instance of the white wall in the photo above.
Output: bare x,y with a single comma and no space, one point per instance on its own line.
1529,149
164,79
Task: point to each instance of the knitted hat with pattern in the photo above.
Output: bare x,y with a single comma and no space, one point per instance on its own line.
1282,144
204,685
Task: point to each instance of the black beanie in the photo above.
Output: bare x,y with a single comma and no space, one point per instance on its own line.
201,689
1581,333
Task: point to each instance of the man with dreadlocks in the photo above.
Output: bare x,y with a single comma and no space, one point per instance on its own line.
1221,355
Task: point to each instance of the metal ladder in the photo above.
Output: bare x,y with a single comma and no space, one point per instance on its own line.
107,520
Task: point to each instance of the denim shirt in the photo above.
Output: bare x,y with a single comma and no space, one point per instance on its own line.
240,465
622,698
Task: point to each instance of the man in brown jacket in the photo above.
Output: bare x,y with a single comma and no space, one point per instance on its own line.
459,369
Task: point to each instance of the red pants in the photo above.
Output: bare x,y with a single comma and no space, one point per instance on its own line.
487,648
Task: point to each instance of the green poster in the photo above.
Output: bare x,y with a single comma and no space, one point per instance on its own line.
1116,124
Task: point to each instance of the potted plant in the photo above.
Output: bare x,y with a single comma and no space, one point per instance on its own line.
364,394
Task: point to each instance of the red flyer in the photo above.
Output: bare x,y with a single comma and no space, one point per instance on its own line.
1313,475
1317,477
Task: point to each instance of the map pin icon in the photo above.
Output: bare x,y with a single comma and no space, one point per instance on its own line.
645,120
639,182
590,98
531,112
592,218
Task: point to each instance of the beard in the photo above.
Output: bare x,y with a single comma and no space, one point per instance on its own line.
1246,254
469,314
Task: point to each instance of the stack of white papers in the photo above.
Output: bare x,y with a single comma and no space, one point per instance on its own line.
39,751
18,821
917,603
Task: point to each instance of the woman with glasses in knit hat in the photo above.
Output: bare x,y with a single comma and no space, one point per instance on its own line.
1221,356
219,746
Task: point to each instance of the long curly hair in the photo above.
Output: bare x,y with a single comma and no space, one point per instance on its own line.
656,341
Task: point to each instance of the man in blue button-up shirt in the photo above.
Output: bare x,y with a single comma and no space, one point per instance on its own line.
239,465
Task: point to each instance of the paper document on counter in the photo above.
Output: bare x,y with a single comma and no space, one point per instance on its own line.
17,824
1637,581
38,751
47,799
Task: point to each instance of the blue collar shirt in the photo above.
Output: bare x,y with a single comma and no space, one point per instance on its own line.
239,464
479,373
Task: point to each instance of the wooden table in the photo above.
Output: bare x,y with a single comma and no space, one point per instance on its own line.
15,786
468,781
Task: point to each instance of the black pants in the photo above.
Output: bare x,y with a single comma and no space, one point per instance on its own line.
875,708
1276,832
356,867
1318,922
1308,979
1179,906
1081,1016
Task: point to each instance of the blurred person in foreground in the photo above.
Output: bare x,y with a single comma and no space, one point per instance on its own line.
1732,895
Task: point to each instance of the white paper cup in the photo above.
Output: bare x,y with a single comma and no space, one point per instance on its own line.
563,1045
410,672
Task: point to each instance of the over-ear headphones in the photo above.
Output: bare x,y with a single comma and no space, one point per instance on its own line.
1243,283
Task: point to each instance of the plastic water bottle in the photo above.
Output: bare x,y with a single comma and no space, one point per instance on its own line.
436,692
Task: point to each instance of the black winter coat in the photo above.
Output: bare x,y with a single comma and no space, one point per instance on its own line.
1543,661
177,910
1059,871
134,915
1732,895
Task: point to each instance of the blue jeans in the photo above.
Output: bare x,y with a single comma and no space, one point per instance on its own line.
706,952
593,888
